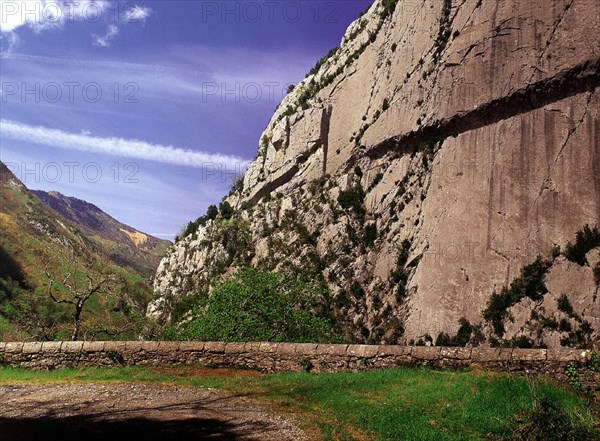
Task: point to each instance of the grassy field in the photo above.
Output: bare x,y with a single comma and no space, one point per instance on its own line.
409,403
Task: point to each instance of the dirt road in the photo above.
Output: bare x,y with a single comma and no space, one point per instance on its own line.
121,411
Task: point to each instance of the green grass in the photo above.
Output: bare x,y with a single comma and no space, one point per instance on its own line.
405,403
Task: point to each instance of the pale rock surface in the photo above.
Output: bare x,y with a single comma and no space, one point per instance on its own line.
477,134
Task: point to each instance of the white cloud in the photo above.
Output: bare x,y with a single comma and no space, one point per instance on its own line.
46,14
41,15
104,41
137,14
8,42
130,148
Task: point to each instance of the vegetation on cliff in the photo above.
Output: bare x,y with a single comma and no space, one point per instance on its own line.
260,306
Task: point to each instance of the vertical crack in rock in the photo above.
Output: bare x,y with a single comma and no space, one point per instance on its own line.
325,123
565,143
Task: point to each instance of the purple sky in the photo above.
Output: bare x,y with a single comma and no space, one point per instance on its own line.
129,104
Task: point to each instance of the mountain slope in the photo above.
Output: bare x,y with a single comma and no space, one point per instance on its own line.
34,239
422,167
125,245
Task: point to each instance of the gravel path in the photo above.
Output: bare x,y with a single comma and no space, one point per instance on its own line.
120,411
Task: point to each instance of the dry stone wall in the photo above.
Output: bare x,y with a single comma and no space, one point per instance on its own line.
282,357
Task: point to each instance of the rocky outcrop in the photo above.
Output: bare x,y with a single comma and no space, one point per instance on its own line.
421,166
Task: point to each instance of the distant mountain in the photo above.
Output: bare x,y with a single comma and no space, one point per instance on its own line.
125,245
37,240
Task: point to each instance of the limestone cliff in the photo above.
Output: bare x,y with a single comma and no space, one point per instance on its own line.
420,166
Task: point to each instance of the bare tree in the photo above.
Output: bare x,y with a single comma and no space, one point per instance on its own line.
80,285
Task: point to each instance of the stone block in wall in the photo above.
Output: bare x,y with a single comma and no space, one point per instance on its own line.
429,353
268,347
115,346
93,346
566,355
306,349
526,355
362,351
288,366
215,347
191,346
491,355
32,348
286,349
13,347
133,346
2,345
394,351
71,347
332,349
150,346
51,347
165,347
252,346
456,353
234,348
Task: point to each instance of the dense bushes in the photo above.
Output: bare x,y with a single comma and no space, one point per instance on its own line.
585,240
548,421
353,199
462,337
226,210
192,227
261,306
370,234
529,284
400,274
389,6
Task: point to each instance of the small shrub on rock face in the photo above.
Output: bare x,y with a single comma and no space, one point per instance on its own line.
586,240
370,234
353,199
529,284
522,341
226,210
462,337
564,305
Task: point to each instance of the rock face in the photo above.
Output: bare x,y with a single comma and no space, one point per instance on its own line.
421,166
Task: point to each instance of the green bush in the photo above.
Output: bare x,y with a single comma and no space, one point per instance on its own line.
353,199
549,422
462,337
226,210
261,306
399,276
529,284
370,234
564,305
585,240
192,227
238,185
389,6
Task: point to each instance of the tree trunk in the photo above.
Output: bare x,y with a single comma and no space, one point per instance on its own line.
75,334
